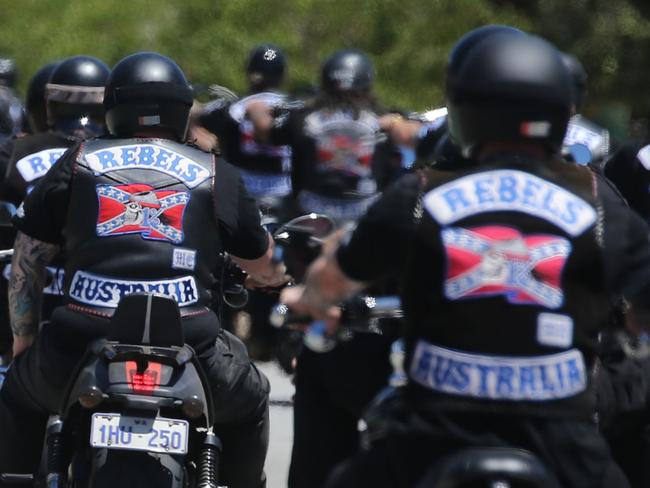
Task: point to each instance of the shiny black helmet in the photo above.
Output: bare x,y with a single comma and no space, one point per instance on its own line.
470,39
147,91
578,78
347,70
509,88
74,95
7,72
35,99
266,67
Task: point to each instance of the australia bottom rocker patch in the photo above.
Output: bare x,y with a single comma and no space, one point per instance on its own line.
107,291
498,260
139,209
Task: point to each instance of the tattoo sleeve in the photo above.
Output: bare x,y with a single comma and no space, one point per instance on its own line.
28,272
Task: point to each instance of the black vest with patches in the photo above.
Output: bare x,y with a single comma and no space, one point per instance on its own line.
342,151
141,219
32,157
507,265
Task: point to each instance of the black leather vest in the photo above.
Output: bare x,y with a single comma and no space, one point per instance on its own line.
505,289
32,157
343,150
141,218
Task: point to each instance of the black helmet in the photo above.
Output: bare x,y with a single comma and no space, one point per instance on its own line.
473,37
347,70
266,67
146,91
509,87
35,99
74,95
578,78
7,72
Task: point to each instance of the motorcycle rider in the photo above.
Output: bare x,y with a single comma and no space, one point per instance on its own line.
133,211
333,139
494,357
265,168
72,93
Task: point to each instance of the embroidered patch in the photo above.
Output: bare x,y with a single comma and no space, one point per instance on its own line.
510,190
260,184
139,209
148,156
496,260
184,258
536,378
554,330
37,164
105,291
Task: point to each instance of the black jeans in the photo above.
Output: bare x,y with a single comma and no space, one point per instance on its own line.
573,450
36,381
332,390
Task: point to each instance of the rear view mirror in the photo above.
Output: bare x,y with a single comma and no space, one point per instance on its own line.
312,225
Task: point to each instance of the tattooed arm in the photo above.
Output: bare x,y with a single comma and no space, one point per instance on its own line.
28,272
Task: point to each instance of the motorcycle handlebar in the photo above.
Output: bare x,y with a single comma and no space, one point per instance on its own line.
361,309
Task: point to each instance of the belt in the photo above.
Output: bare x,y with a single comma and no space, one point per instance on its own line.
515,378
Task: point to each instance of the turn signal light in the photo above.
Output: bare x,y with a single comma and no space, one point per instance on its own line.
193,407
91,398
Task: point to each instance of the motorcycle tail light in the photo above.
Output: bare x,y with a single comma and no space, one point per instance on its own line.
91,398
143,381
193,407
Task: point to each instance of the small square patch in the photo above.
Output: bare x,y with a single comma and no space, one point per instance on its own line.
554,330
184,258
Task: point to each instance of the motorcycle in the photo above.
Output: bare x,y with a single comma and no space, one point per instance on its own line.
138,398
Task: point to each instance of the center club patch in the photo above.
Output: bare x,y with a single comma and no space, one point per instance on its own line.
498,260
139,209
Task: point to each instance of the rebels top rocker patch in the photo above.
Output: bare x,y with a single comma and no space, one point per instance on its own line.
148,156
510,190
139,209
497,260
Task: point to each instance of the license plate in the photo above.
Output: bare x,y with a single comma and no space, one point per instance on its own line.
115,431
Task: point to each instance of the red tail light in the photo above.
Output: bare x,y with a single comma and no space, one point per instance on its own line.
145,382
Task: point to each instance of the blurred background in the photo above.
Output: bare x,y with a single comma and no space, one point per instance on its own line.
407,39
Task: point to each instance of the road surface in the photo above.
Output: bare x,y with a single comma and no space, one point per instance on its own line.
277,461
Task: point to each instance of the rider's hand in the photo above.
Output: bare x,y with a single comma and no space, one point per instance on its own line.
295,298
276,278
403,132
21,344
259,113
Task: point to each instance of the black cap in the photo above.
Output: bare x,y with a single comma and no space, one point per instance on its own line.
266,67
